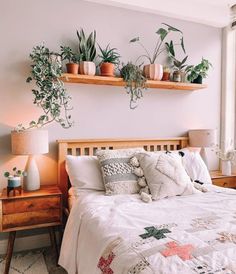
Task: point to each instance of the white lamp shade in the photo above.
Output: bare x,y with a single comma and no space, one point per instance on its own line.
202,137
29,142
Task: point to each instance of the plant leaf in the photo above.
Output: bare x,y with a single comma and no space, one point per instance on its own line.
182,44
136,39
162,33
170,28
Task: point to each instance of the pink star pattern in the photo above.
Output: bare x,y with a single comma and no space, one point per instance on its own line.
184,251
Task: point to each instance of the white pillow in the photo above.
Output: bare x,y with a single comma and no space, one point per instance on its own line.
165,175
195,166
84,172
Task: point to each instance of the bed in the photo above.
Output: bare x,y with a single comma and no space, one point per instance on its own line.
121,234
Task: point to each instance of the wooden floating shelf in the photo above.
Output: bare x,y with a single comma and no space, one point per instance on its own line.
117,81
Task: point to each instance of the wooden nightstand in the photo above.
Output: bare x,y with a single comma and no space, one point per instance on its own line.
35,209
222,180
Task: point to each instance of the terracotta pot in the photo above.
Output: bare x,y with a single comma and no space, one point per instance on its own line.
153,71
107,69
72,68
176,76
166,76
87,68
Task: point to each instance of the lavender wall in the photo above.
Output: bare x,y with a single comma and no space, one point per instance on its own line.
99,111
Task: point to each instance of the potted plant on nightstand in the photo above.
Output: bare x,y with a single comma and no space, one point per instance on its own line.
14,179
110,58
153,70
87,50
198,72
73,59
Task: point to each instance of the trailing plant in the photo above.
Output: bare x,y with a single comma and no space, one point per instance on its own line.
50,94
68,54
160,46
199,70
87,45
16,173
135,82
109,55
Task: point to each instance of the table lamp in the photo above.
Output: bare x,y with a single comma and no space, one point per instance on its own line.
30,142
202,138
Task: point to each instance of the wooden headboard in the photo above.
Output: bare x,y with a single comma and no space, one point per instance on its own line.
89,147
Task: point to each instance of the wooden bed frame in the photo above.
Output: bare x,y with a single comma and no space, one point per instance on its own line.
88,147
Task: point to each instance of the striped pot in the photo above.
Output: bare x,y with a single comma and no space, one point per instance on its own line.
87,68
153,71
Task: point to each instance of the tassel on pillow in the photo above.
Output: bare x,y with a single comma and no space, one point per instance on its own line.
147,198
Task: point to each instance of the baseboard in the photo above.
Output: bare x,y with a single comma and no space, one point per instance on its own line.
26,243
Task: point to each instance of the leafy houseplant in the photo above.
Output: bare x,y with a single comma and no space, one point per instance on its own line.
73,59
87,49
50,93
178,66
198,72
14,179
155,71
135,82
110,58
166,74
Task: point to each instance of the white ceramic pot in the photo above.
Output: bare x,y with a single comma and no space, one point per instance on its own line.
87,68
153,71
226,168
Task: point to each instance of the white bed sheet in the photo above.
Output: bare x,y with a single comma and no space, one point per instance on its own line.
74,193
96,220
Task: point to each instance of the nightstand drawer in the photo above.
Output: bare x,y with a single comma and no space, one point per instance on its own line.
31,218
225,182
29,205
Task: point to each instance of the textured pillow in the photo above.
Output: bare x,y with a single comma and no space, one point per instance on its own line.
84,172
118,174
165,175
195,166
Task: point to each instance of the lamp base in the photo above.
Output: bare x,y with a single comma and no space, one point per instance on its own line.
32,179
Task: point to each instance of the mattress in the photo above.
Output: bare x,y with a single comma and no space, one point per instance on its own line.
121,234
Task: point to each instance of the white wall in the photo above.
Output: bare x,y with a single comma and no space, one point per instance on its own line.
99,111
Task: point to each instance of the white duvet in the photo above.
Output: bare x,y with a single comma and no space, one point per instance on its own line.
121,234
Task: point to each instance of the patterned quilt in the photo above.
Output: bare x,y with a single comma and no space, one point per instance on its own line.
189,234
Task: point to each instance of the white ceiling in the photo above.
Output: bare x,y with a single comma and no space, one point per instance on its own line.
210,12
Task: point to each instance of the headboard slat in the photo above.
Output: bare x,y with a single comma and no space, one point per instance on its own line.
89,147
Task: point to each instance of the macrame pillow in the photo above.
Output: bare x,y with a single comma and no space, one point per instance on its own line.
165,175
118,174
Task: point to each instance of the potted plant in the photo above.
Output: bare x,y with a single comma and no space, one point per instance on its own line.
166,74
87,50
178,69
135,82
50,93
110,58
153,70
73,59
198,72
14,179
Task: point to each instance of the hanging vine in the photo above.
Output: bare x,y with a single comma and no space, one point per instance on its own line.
50,94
